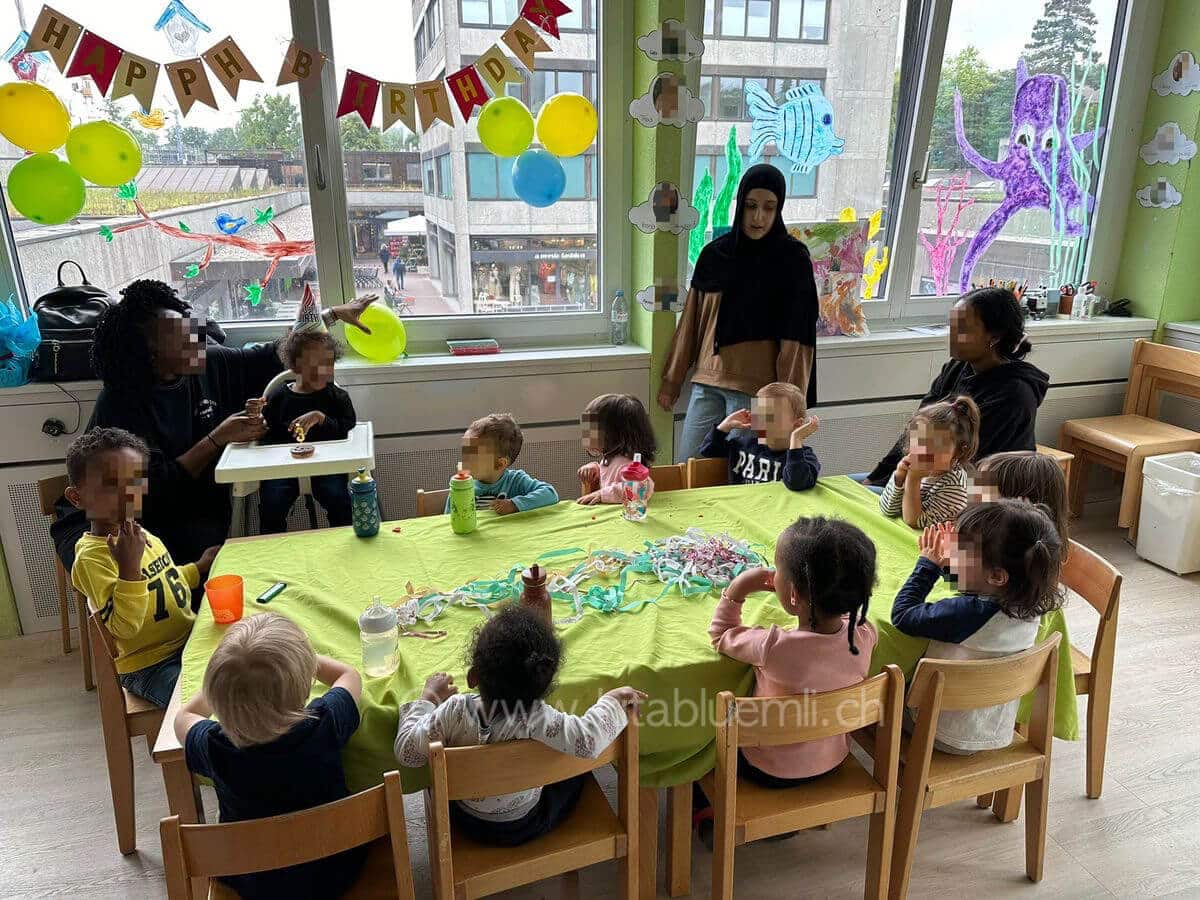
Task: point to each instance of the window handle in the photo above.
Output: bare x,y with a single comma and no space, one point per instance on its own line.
319,175
919,178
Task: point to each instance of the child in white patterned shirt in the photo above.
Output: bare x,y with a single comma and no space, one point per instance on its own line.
513,661
929,486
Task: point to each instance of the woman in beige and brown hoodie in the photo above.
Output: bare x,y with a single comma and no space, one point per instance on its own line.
750,317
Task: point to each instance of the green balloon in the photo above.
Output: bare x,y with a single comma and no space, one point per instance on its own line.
505,126
45,189
104,153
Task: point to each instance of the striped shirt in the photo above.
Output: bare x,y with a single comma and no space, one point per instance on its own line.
942,497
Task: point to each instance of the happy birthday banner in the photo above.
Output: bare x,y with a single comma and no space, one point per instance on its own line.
79,51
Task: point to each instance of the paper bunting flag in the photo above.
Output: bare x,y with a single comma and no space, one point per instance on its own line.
300,64
524,42
190,84
497,71
433,103
359,93
399,106
136,75
468,90
544,14
230,65
95,57
56,34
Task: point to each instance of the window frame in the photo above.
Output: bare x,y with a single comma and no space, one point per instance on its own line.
772,35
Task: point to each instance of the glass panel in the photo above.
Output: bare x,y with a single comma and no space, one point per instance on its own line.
450,236
733,18
475,12
814,19
1045,242
789,18
730,100
758,20
709,9
573,19
209,171
700,167
706,89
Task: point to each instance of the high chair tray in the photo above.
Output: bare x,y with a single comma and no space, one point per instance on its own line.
255,462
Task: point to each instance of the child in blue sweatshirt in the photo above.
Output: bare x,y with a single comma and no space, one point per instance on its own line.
489,446
770,446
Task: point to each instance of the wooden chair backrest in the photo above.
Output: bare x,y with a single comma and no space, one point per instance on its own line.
1093,578
771,721
49,490
257,845
106,662
707,472
957,684
669,478
431,503
1156,368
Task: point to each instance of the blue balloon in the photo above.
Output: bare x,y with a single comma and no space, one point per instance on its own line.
538,177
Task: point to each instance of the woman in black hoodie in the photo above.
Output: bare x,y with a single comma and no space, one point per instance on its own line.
987,351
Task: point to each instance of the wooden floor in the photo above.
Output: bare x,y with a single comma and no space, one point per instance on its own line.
1142,839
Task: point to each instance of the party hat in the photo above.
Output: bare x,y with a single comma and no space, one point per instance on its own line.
308,316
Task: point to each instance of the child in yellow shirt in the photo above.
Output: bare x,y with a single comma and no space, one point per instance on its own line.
127,573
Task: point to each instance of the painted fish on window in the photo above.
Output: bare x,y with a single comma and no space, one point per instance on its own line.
801,127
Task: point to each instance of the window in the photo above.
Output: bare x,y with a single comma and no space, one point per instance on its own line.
548,82
376,171
731,96
489,177
445,183
412,172
527,274
499,13
794,20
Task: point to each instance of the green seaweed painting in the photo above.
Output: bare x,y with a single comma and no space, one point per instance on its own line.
703,203
721,211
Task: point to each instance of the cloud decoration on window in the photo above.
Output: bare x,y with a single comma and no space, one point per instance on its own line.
672,41
667,102
664,210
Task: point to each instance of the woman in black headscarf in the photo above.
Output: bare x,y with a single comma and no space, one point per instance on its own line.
750,317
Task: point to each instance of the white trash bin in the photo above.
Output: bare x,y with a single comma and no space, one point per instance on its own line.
1169,528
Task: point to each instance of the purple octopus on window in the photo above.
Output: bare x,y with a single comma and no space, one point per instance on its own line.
1037,172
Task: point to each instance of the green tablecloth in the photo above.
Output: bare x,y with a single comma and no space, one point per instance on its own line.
662,649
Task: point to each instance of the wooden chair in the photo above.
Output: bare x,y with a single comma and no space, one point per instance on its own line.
374,816
431,503
707,472
930,778
49,490
592,833
123,716
669,478
1059,456
1123,442
745,812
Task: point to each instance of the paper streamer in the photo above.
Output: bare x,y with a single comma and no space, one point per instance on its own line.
544,14
136,76
190,83
433,103
524,42
497,71
359,93
97,58
399,105
467,88
230,65
56,34
300,64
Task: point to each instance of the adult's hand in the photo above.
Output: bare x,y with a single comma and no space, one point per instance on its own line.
239,428
667,396
351,313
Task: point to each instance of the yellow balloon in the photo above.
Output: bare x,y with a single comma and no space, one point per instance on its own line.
387,339
104,153
32,117
566,124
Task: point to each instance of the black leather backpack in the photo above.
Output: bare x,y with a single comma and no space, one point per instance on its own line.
67,317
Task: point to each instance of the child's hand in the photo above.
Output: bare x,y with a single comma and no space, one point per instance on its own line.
301,425
749,582
902,468
590,499
628,697
738,419
204,563
439,687
127,547
254,407
503,507
932,543
805,429
589,478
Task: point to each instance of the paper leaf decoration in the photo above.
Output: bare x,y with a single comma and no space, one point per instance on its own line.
106,233
254,293
192,271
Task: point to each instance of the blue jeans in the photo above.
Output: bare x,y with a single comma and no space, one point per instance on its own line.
861,478
154,683
707,407
276,496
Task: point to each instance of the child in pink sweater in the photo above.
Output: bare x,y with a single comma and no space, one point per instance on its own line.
615,427
824,573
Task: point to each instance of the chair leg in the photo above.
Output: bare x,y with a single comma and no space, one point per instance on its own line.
1007,804
648,842
64,613
1037,795
1131,493
679,842
85,643
118,751
1099,697
983,801
723,849
570,885
908,826
1077,484
880,838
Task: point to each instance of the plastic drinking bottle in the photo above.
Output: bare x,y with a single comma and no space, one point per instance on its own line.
636,485
619,319
364,504
462,501
379,630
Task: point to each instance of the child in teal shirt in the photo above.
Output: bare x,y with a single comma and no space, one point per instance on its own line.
489,446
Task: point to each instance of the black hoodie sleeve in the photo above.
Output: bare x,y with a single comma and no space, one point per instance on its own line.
937,391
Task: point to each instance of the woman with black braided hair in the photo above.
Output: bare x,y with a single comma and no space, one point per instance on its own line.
186,398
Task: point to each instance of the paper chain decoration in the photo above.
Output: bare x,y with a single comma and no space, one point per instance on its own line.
693,562
272,250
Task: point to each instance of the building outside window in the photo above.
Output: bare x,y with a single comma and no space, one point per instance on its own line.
547,273
787,20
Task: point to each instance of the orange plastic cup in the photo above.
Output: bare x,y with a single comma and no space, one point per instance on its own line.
224,598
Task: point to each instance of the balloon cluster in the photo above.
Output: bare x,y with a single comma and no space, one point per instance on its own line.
43,187
566,126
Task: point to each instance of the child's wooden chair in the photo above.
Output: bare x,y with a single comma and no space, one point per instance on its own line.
49,490
930,778
431,503
591,834
1123,442
1060,457
374,816
745,812
669,478
707,472
123,716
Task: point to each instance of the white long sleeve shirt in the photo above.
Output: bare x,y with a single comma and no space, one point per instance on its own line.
461,721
